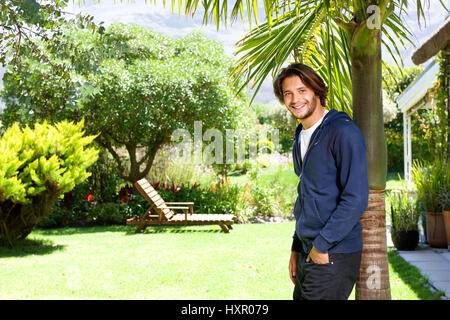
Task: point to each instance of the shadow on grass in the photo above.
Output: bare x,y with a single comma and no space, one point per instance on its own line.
128,230
81,230
28,247
412,277
174,229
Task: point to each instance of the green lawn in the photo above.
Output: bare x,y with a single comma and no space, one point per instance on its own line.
196,262
284,175
393,181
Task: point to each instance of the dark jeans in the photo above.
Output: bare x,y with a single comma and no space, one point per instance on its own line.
330,281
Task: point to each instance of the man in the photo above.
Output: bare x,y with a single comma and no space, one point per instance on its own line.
329,155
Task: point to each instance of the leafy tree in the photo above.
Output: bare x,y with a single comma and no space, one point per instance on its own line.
24,22
285,123
133,86
36,167
395,81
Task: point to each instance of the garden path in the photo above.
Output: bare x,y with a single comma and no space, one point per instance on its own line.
433,263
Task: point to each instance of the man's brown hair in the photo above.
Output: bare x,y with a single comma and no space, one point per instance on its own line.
308,76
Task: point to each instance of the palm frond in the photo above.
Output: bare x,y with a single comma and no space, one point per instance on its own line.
266,48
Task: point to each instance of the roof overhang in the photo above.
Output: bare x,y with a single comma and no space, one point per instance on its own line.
417,90
435,43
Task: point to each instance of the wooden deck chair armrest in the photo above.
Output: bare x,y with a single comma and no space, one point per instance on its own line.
185,203
169,207
191,205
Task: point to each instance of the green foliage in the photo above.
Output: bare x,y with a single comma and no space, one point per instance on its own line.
278,117
262,112
17,16
221,197
104,181
174,170
395,81
36,167
32,159
60,216
259,199
443,197
108,213
404,211
429,129
431,179
437,132
134,87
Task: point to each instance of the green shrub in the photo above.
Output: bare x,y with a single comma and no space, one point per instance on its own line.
108,213
404,211
104,181
430,180
37,166
220,197
265,201
58,216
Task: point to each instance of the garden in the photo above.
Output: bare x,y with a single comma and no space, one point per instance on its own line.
90,110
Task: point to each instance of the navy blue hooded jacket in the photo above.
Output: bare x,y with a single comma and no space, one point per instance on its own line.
333,190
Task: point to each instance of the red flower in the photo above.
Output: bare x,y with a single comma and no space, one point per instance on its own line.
90,198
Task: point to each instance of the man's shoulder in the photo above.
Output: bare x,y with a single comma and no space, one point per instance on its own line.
343,124
343,128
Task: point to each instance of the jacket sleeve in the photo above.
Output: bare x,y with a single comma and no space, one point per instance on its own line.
351,163
296,243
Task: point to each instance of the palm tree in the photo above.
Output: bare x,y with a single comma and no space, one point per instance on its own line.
342,40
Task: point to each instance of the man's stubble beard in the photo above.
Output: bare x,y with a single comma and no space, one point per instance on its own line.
310,111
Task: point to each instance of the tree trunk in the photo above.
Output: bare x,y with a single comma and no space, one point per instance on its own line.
373,279
17,221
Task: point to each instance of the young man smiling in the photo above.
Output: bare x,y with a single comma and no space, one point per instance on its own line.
329,155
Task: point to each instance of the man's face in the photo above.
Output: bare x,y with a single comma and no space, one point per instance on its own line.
298,98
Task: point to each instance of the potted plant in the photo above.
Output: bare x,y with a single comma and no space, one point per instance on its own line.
429,181
405,215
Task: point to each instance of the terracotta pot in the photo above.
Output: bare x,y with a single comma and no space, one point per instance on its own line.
446,216
436,235
405,240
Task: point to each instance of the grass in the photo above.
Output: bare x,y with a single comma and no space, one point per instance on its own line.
393,181
284,176
195,262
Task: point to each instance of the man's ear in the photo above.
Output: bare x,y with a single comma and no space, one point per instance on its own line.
317,97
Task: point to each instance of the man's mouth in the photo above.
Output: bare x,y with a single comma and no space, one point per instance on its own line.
298,107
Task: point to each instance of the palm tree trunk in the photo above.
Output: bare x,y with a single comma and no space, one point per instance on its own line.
373,279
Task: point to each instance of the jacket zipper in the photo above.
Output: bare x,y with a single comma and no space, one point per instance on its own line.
301,172
307,150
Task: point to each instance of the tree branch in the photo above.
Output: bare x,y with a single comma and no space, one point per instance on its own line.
116,157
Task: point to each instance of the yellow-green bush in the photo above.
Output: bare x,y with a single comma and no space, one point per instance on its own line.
37,165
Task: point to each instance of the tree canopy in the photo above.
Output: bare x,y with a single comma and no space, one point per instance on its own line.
133,86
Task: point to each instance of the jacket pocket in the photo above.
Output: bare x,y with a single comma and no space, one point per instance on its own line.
311,223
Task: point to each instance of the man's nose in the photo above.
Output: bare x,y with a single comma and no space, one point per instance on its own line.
295,97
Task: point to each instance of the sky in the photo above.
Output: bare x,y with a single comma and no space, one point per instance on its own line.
160,19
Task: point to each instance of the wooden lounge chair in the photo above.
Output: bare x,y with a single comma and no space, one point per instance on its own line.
166,216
